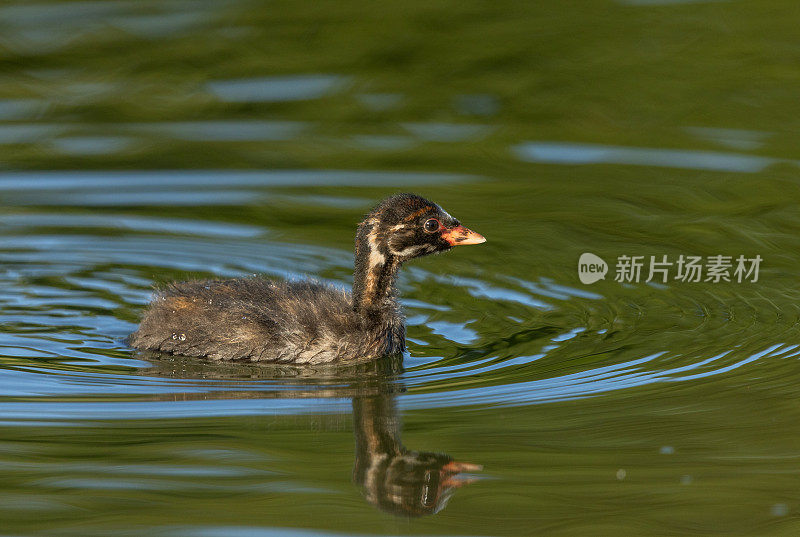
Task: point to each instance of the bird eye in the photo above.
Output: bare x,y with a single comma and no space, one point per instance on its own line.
431,225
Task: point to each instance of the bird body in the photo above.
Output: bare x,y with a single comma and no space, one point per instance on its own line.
258,319
304,321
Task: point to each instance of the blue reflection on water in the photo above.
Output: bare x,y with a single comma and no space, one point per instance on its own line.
276,88
576,153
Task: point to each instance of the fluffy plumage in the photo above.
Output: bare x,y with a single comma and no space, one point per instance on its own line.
306,322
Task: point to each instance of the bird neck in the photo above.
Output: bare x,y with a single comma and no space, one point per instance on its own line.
374,292
377,426
377,432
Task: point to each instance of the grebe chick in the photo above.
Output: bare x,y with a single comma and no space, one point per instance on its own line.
307,322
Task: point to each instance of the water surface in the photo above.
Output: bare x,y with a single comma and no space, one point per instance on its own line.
145,142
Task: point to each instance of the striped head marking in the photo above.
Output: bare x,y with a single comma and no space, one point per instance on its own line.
408,226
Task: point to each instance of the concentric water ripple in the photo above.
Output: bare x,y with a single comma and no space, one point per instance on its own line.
74,285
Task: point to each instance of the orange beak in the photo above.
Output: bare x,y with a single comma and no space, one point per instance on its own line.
455,467
451,470
459,236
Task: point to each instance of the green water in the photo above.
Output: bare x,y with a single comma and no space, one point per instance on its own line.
144,142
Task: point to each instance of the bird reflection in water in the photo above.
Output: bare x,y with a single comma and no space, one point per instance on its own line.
392,478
